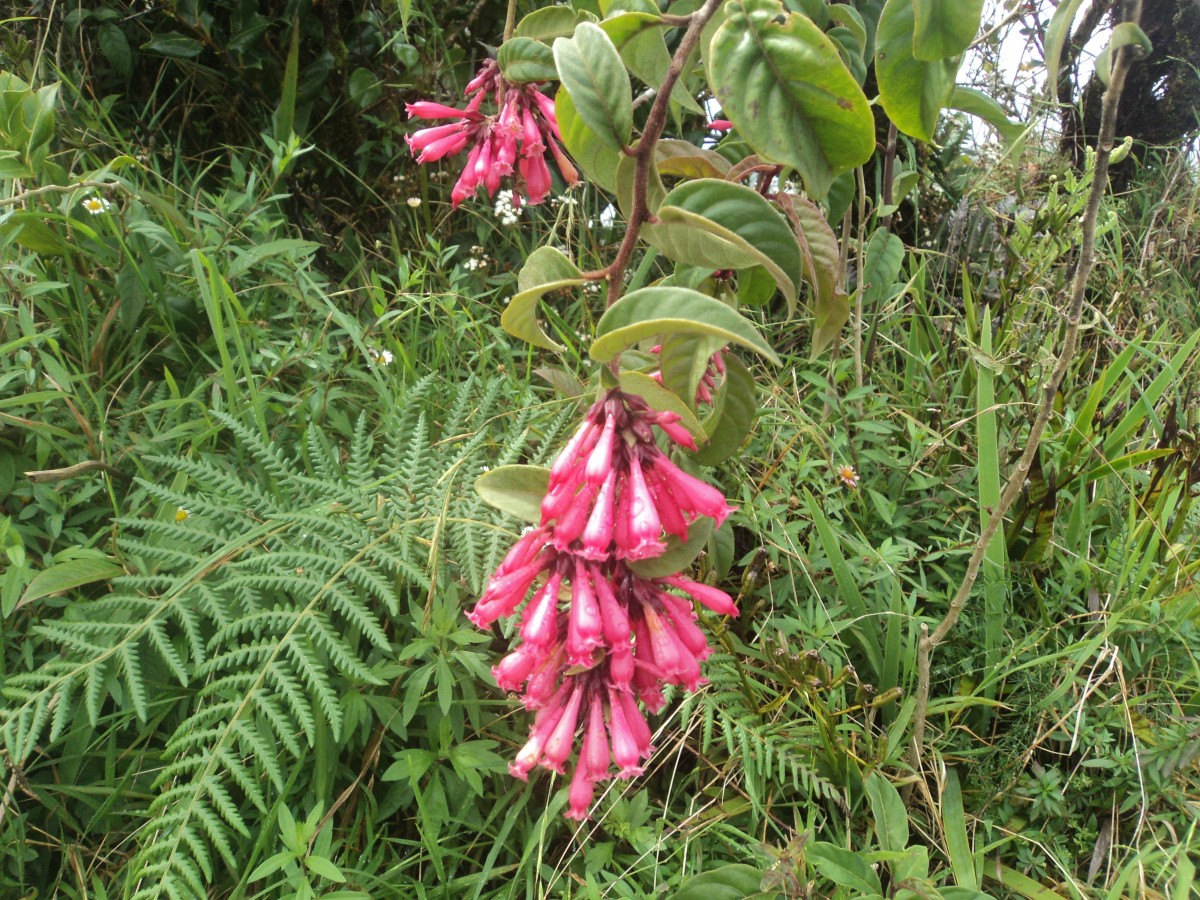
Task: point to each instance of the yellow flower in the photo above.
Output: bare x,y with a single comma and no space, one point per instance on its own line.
181,514
96,205
847,476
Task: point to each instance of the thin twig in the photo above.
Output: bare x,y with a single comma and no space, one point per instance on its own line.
52,189
1087,250
643,151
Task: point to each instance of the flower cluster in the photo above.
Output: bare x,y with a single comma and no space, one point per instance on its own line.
515,141
596,637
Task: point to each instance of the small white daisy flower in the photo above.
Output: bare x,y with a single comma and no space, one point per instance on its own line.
96,205
414,202
380,357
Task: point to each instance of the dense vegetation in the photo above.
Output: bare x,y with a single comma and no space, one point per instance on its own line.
253,365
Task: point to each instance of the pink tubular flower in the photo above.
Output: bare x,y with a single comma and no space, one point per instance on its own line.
515,142
598,639
720,125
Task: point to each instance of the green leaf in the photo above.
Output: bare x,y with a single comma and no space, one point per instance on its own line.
546,270
662,311
516,490
944,27
755,287
1125,34
912,91
881,268
67,575
1057,33
783,83
523,60
821,258
843,867
686,160
592,72
115,47
733,414
638,36
662,399
891,818
174,45
980,105
747,228
598,160
732,882
683,360
550,23
319,865
678,555
363,87
954,826
28,229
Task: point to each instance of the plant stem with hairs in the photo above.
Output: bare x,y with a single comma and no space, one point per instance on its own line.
1074,310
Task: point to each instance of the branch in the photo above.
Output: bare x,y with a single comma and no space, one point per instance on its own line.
52,189
1087,251
643,151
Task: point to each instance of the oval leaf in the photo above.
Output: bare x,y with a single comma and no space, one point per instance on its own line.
591,70
977,103
683,360
655,311
784,85
944,27
65,576
550,23
546,270
912,91
523,59
598,160
741,217
732,882
516,490
733,415
662,399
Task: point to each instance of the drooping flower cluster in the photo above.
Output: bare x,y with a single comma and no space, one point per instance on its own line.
596,637
515,141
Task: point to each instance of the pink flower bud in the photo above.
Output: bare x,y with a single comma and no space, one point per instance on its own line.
714,598
600,460
536,174
562,738
597,535
594,755
672,517
692,493
720,125
543,683
531,136
512,671
645,529
569,173
468,181
580,444
669,423
539,624
580,796
424,109
545,105
504,593
625,748
584,627
636,723
571,523
612,613
683,620
543,726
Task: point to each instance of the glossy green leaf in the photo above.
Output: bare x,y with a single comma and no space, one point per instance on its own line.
661,311
843,867
547,269
747,228
550,22
912,90
849,17
523,59
65,576
115,47
662,399
785,87
944,27
731,882
592,72
173,44
979,104
678,555
733,416
516,490
891,818
597,160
